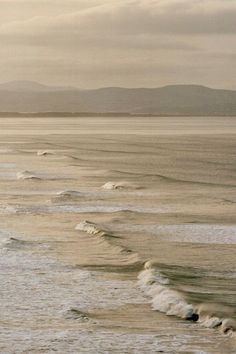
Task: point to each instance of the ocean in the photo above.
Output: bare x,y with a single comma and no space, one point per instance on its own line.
118,235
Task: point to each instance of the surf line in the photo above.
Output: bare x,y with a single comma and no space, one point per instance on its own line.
107,238
171,302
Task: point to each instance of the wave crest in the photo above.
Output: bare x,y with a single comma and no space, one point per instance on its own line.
119,185
173,303
26,175
90,228
164,299
45,153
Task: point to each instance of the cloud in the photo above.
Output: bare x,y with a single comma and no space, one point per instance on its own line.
21,10
140,23
118,39
134,17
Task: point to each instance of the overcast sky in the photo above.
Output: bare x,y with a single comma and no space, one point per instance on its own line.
132,43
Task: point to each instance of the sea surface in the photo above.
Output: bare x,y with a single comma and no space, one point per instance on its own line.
118,235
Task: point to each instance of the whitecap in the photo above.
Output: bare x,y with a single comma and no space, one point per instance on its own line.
119,185
90,228
26,175
164,299
173,303
69,194
45,153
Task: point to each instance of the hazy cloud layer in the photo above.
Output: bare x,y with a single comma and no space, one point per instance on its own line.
91,43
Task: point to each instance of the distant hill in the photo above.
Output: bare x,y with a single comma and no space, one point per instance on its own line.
26,96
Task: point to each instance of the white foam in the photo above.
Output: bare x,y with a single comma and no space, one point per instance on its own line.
229,326
150,276
164,299
26,175
211,322
69,193
45,152
172,303
38,293
7,209
119,185
90,228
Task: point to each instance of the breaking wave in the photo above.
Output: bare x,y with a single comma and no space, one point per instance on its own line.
69,193
66,196
45,153
173,303
119,185
16,243
90,228
107,238
76,314
23,175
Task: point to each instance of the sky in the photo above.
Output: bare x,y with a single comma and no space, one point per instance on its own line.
128,43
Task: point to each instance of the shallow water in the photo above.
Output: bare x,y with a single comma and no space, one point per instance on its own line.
46,305
72,291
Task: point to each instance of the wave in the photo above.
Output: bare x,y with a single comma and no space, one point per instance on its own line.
45,153
173,303
14,243
94,229
23,175
74,158
75,314
72,196
119,185
107,238
90,228
67,194
172,179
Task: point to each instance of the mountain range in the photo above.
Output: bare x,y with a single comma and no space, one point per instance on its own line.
28,96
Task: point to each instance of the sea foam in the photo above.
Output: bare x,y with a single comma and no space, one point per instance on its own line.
26,175
119,185
90,228
164,299
171,302
45,153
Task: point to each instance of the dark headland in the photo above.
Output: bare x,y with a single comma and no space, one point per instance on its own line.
22,98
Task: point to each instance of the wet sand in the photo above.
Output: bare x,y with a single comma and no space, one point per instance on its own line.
172,200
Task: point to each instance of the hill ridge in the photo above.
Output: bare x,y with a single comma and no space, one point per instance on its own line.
168,100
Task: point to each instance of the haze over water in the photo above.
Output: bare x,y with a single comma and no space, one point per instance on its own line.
85,203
